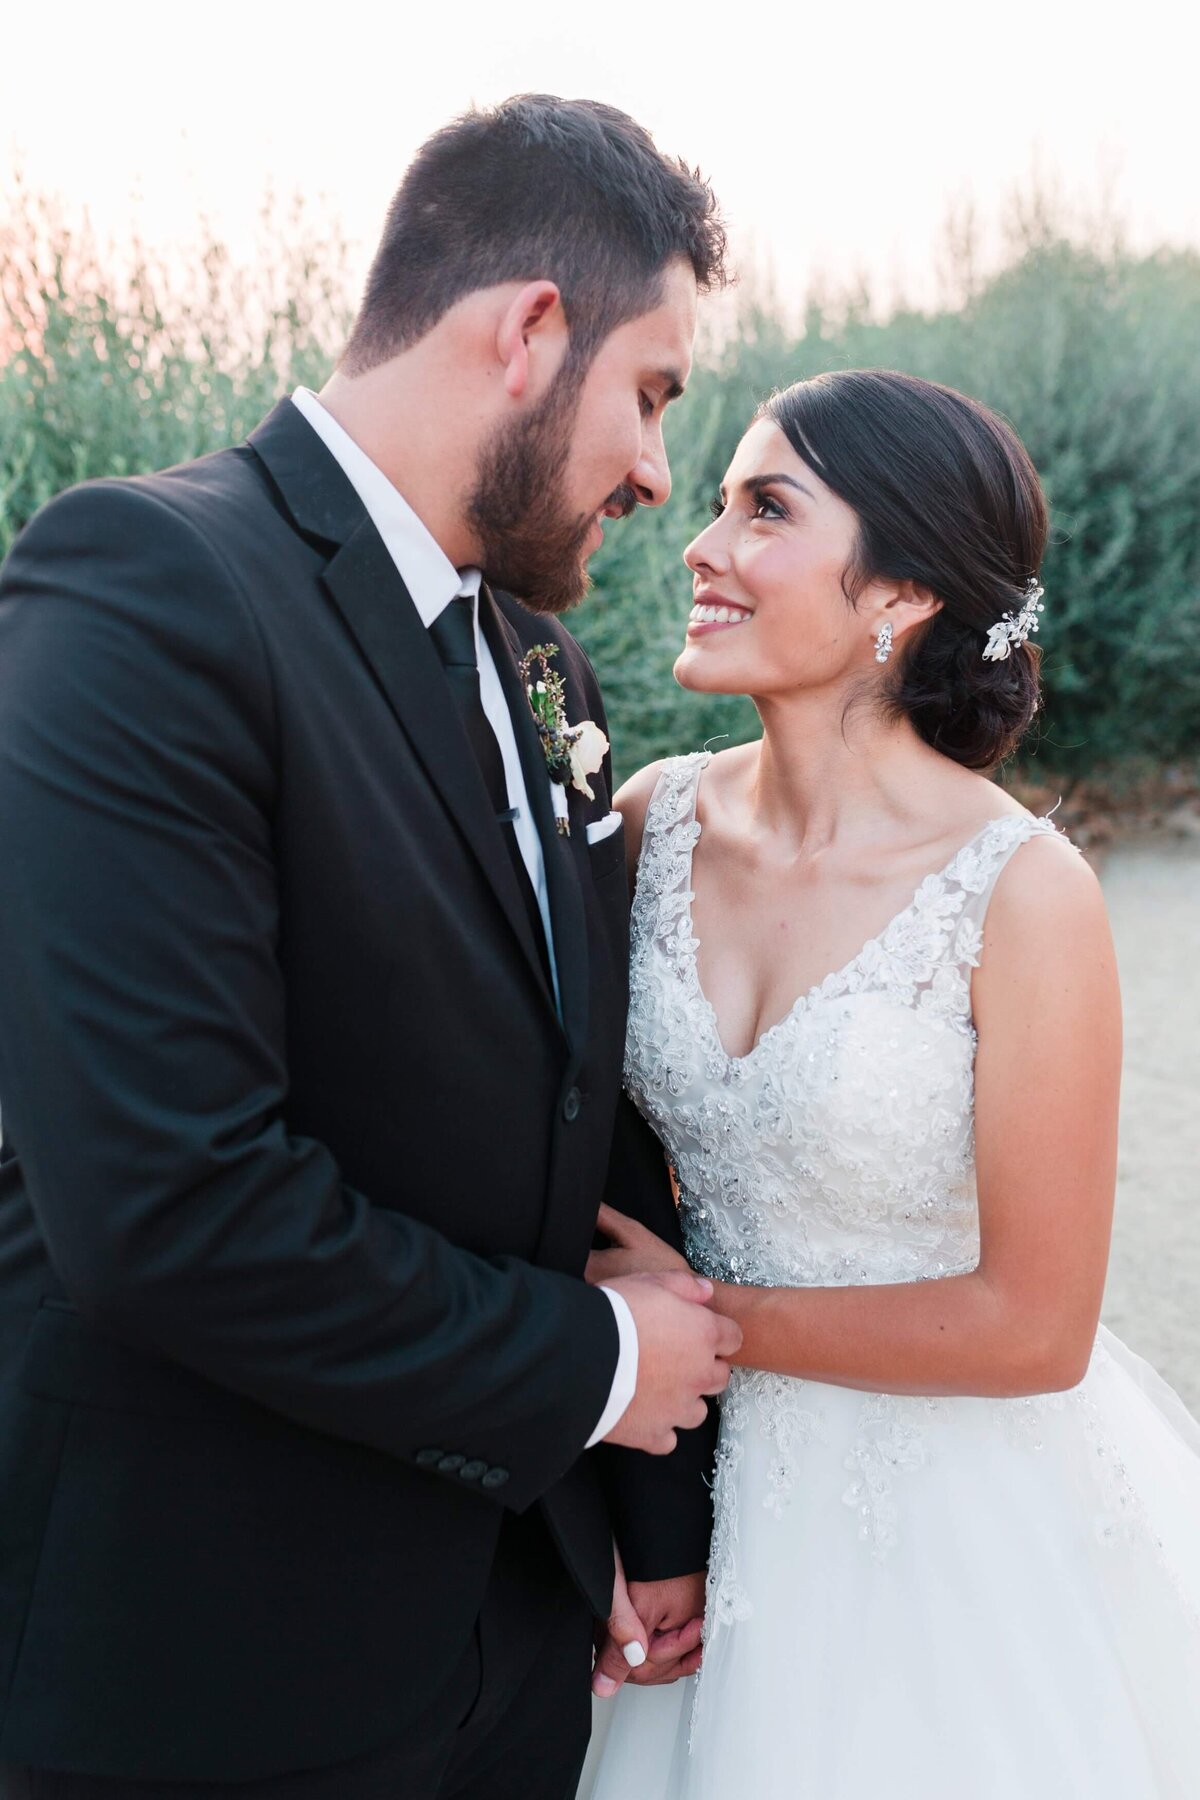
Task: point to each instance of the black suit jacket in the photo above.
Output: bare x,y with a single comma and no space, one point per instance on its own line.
301,1168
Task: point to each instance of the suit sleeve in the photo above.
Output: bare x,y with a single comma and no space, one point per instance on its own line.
661,1506
142,1034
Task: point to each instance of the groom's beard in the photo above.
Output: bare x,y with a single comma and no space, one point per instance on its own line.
530,547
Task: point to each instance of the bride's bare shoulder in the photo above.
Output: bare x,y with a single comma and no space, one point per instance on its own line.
632,799
1047,872
1047,914
727,777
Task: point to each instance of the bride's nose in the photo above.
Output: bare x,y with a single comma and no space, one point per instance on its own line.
705,552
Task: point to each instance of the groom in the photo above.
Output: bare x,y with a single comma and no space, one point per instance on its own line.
310,1043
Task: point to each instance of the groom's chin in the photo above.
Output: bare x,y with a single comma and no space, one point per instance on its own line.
553,598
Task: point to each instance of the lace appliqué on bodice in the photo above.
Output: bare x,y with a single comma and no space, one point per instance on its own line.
886,1544
839,1149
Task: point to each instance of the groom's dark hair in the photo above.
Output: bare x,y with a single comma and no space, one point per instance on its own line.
569,191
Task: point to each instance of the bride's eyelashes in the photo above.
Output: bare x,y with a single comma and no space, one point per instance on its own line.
716,507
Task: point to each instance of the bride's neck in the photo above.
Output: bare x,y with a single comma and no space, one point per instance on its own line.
825,770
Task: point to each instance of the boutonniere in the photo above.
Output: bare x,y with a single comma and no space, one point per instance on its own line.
572,752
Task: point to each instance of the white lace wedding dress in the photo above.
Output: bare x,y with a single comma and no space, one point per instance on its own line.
908,1598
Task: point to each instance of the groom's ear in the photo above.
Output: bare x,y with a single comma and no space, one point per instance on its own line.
531,340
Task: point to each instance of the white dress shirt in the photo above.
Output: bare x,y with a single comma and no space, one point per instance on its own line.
434,582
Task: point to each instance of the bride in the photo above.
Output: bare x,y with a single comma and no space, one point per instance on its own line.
956,1545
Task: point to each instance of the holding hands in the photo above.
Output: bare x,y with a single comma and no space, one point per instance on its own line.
652,1635
635,1250
683,1348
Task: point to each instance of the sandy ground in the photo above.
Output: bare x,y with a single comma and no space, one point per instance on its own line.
1152,1300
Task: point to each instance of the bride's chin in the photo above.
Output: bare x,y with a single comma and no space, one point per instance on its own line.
690,672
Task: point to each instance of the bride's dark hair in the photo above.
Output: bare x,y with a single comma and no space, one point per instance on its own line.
946,497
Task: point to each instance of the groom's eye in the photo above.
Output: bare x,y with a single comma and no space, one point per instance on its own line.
647,405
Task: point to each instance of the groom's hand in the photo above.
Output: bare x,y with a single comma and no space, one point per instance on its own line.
683,1355
672,1613
652,1635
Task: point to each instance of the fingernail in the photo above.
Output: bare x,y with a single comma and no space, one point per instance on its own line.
604,1686
634,1655
705,1286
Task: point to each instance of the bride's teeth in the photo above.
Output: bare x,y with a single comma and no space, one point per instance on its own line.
717,615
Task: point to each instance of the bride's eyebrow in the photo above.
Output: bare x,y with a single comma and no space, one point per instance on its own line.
755,482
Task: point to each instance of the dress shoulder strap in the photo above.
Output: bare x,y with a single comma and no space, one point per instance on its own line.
670,830
673,802
675,790
979,864
973,875
930,949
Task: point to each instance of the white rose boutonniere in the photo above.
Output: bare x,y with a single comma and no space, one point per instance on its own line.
572,752
589,747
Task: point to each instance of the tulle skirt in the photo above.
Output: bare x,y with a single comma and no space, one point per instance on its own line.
937,1599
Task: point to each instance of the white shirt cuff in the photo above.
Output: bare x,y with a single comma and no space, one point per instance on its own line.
625,1379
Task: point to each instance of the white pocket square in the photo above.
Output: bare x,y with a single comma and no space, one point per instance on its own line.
602,828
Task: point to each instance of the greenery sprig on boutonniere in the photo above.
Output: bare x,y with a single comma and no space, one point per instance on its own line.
572,752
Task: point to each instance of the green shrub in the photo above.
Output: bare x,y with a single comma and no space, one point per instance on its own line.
113,366
110,366
1094,356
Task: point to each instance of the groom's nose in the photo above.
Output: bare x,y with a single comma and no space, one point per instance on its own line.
650,477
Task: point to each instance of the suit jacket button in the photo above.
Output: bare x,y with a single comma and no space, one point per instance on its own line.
427,1458
449,1465
471,1471
494,1478
571,1105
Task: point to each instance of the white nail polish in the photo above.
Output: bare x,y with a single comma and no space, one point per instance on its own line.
634,1655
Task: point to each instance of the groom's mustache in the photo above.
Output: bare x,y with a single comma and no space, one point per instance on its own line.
621,502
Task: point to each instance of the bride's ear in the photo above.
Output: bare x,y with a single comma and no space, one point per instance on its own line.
908,606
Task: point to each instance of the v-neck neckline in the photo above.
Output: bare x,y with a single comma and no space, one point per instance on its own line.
836,977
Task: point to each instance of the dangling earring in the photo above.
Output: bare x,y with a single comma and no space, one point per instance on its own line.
883,643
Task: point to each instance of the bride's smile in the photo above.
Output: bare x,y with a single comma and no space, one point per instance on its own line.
713,610
776,556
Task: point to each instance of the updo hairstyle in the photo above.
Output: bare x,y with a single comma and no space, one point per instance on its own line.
946,497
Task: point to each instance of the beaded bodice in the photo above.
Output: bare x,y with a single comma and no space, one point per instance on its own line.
839,1150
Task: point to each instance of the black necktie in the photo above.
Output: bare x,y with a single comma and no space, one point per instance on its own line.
453,634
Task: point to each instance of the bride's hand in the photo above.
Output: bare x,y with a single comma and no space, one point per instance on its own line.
636,1250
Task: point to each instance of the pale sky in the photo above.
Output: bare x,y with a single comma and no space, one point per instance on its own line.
836,135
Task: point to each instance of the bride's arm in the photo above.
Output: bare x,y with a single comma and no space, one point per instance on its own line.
1047,1074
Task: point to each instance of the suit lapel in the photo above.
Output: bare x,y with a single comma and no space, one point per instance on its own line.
366,587
369,593
565,858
